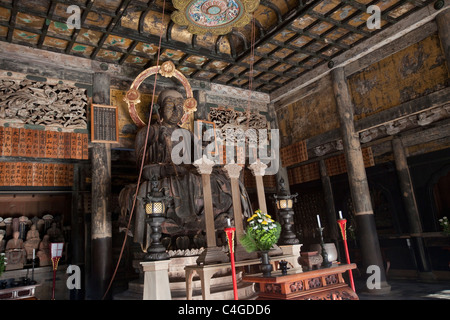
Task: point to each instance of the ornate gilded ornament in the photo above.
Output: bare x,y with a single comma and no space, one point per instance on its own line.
168,70
190,105
215,16
132,95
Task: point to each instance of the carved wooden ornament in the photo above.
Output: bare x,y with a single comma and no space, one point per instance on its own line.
41,103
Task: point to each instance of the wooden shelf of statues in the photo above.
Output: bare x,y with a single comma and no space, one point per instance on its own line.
23,239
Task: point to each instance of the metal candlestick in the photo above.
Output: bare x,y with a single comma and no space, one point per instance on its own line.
326,263
32,272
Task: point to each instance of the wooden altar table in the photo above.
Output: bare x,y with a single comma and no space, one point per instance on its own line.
206,272
321,284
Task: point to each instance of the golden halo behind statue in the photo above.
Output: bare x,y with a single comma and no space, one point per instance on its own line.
168,70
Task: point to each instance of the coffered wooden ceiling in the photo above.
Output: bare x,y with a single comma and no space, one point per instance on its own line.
292,36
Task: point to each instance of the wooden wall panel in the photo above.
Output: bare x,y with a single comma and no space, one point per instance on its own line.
312,114
127,128
408,74
31,205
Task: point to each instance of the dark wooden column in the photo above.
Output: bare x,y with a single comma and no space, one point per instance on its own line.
410,205
77,232
282,173
101,241
329,203
442,21
359,187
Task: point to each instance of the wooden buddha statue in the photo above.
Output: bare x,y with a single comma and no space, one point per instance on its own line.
181,181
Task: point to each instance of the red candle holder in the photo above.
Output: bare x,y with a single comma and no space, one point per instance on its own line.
230,231
56,249
342,223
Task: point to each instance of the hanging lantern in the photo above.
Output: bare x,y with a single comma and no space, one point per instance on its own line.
215,16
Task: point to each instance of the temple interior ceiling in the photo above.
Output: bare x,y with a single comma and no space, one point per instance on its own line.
291,36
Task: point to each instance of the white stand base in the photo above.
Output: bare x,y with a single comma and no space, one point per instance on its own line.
295,251
156,280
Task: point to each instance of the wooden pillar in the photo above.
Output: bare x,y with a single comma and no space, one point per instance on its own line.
282,173
359,187
212,254
442,21
77,234
410,205
101,241
258,169
329,203
233,171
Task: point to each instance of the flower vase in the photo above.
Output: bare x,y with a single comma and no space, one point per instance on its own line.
266,267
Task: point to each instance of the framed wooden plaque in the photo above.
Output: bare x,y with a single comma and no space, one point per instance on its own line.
201,127
104,124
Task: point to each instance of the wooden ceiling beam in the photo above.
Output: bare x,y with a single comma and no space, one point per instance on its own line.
315,37
232,47
174,45
240,36
386,37
44,30
284,22
86,6
77,31
277,11
12,20
119,13
287,20
129,51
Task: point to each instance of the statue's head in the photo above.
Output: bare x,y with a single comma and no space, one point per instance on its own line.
171,106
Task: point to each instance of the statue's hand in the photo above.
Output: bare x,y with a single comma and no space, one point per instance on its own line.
152,170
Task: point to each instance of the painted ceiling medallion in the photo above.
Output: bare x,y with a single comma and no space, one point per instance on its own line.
215,16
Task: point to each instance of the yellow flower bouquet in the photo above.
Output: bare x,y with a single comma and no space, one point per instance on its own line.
261,234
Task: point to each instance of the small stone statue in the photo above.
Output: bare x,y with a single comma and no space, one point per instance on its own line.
44,252
2,241
55,233
32,241
15,252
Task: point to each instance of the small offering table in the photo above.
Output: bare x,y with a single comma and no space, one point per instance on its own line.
321,284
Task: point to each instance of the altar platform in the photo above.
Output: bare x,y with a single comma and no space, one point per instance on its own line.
320,284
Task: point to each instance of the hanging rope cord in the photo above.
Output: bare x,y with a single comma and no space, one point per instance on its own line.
250,76
143,155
